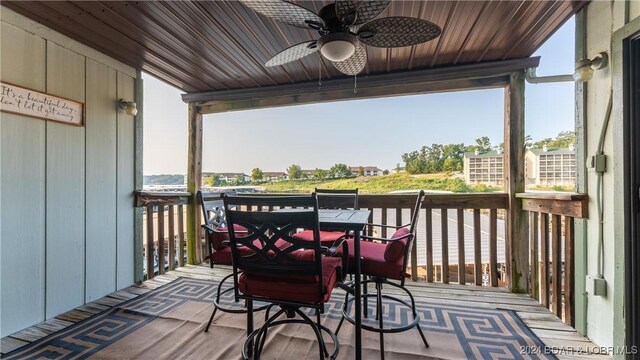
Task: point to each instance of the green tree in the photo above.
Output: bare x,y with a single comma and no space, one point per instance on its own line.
483,144
294,172
257,175
319,174
212,180
360,171
340,171
239,180
563,140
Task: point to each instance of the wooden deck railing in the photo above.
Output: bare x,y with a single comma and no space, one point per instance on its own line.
165,233
551,240
475,216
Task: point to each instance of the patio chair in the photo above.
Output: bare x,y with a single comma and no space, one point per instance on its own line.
382,260
331,199
297,275
217,242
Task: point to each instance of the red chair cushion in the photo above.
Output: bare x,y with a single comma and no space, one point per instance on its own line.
218,238
396,249
298,289
327,238
373,262
223,256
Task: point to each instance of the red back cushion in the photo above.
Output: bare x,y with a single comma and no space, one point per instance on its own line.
395,249
218,238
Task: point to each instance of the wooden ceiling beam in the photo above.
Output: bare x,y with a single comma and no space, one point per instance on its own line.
452,78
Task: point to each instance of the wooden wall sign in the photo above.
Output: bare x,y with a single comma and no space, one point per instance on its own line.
22,101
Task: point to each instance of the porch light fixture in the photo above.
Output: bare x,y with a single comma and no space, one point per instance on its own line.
129,106
585,67
337,46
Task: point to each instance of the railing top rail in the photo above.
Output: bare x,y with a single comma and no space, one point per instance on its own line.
402,201
564,204
563,196
146,198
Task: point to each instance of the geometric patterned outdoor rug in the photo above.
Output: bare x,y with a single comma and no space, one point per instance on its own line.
167,323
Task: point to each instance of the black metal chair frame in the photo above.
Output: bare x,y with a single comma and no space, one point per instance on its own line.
337,199
380,281
269,259
214,218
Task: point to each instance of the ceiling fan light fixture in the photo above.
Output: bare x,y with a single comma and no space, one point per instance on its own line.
337,46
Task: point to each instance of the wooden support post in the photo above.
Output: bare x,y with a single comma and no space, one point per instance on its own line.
517,245
194,178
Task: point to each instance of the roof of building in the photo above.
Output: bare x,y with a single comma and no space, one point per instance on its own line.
365,168
555,151
490,153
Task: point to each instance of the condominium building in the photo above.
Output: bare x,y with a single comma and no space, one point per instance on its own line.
550,167
543,167
483,168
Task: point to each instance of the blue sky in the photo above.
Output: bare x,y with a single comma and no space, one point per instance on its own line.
364,132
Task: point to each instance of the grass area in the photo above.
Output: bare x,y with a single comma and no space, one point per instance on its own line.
380,184
553,188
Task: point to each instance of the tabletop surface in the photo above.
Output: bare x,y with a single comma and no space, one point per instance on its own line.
340,219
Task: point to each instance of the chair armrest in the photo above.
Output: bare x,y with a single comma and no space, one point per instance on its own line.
389,226
368,238
345,253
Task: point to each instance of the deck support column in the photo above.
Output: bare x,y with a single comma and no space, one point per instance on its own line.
517,245
194,179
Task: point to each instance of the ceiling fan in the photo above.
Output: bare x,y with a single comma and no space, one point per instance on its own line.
344,26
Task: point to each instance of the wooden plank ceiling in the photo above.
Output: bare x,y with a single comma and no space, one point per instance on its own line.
222,45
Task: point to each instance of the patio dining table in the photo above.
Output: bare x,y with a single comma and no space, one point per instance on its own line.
349,220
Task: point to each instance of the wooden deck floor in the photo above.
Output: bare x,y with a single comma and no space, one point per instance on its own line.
551,330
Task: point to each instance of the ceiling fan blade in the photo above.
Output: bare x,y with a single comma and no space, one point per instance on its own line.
354,64
353,12
293,53
398,31
285,12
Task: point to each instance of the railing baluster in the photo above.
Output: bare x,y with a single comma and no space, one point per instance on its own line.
429,243
444,231
477,256
383,221
181,238
534,261
370,220
461,260
149,249
544,250
556,275
160,239
569,264
171,259
414,256
493,246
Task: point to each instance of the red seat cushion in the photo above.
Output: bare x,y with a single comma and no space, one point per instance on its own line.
327,238
396,249
223,256
298,289
218,237
373,262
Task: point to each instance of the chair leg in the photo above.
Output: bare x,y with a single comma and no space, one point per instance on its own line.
250,325
365,303
211,319
415,314
326,352
344,305
321,346
380,317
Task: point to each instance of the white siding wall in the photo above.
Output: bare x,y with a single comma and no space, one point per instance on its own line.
67,216
604,325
